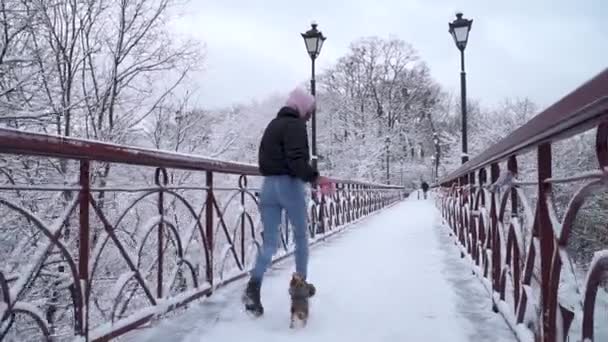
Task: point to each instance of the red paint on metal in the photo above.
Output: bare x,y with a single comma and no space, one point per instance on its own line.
209,223
84,248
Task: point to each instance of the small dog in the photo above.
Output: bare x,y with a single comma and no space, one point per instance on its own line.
300,291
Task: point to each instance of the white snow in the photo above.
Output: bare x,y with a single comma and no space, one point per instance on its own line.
395,276
522,333
597,256
120,284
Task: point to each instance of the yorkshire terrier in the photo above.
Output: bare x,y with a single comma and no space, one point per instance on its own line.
300,291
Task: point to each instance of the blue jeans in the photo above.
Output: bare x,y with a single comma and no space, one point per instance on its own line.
282,193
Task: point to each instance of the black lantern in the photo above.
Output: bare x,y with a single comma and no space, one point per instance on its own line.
313,39
459,29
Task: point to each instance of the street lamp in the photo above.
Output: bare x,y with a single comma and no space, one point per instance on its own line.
459,29
313,39
388,160
437,155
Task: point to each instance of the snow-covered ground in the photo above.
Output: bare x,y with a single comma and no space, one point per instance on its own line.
395,276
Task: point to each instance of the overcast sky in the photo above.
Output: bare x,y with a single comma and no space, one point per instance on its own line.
537,48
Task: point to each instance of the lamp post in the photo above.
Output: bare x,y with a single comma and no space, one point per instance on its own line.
459,29
313,39
437,156
388,160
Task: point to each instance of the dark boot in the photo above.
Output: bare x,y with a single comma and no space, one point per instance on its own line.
251,298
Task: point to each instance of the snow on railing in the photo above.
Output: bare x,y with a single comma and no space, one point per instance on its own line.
141,233
519,233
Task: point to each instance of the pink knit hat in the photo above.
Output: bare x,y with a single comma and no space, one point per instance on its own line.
300,100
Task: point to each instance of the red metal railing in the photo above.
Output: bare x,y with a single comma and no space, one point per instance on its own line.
511,227
110,251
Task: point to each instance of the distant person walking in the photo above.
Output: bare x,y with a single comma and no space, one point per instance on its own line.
425,188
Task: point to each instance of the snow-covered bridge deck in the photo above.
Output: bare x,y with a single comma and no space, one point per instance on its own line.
395,276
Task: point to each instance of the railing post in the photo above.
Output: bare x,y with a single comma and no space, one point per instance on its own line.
209,225
546,244
494,235
472,190
512,167
348,199
462,217
354,200
482,202
482,182
367,200
159,274
243,186
470,224
360,201
84,248
160,182
338,205
321,214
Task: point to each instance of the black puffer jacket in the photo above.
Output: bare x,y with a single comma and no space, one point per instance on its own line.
284,147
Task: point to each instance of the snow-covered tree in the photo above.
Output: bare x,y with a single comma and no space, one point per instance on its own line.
373,108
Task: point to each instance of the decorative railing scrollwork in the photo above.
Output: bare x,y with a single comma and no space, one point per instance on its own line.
111,251
517,225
